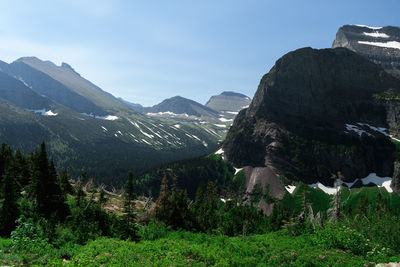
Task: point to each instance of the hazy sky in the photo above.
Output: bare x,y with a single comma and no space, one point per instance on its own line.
146,51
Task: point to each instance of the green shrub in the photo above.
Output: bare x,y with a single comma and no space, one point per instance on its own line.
28,236
152,231
343,237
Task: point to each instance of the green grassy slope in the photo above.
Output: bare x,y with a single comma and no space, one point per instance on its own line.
190,249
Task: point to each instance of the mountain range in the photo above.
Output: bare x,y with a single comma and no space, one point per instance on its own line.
88,129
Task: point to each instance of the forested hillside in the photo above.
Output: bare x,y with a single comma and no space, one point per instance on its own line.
48,219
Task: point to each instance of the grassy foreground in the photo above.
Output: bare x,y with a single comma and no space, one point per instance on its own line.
190,249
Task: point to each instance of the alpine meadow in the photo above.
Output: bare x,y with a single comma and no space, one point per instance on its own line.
216,133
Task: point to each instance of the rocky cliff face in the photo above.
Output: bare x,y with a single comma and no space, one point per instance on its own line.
318,113
379,44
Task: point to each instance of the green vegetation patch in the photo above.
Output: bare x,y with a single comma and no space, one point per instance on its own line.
190,249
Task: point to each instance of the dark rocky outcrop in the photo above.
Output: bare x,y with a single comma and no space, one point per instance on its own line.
304,118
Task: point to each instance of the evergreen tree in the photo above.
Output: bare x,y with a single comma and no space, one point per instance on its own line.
9,210
180,216
22,169
130,208
206,207
162,211
79,190
49,199
65,185
5,158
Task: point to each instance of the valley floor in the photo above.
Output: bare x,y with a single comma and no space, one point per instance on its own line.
190,249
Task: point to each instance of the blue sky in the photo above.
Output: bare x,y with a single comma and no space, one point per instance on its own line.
146,51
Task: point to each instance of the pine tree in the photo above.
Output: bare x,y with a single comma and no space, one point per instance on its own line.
206,206
5,158
49,199
180,215
79,190
65,185
22,169
162,211
130,208
9,211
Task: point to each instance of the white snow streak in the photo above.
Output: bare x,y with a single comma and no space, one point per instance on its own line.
391,44
369,27
376,34
225,120
219,152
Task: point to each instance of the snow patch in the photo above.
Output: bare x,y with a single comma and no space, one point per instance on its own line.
327,189
395,139
376,34
232,112
355,128
237,170
22,80
371,178
43,112
391,44
146,142
50,113
219,152
177,126
220,125
107,117
379,181
195,137
369,27
290,188
168,113
104,128
225,120
205,144
146,134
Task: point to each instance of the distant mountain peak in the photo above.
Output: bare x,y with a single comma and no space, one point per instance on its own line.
231,93
182,105
228,101
28,59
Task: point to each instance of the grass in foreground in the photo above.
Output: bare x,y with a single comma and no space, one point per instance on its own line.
190,249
